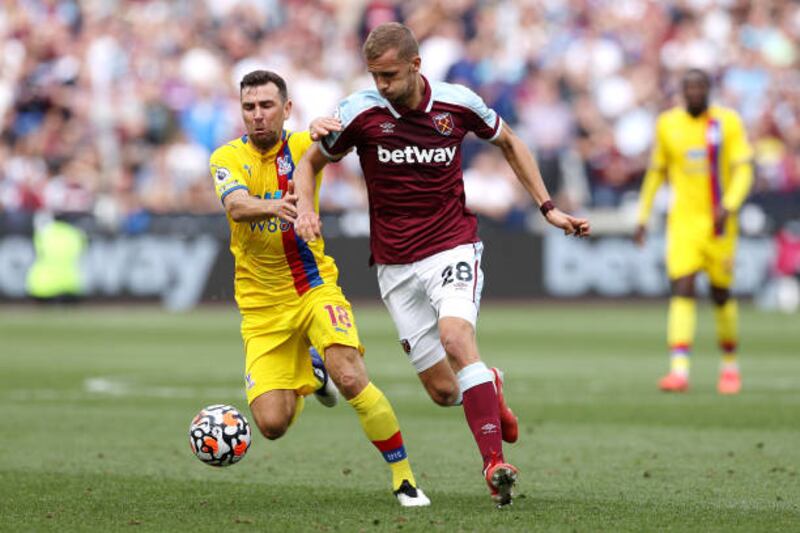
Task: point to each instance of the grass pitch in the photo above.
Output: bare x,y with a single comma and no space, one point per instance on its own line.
97,404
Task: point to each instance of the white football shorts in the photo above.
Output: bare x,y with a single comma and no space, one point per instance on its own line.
447,284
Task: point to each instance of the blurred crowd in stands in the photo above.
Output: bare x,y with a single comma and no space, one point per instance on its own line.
112,107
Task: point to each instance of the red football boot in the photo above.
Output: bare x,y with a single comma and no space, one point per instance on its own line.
501,478
509,425
730,382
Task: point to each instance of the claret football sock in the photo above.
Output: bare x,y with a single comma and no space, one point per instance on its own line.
481,410
381,427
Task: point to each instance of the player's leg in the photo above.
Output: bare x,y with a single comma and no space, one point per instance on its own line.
720,272
274,411
336,332
484,406
454,281
684,260
440,382
726,313
681,325
275,379
415,318
377,419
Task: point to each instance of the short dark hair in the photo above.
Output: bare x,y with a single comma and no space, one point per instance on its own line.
696,73
263,77
391,35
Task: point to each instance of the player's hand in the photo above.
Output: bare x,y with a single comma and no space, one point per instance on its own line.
285,207
308,226
322,126
640,234
579,227
720,216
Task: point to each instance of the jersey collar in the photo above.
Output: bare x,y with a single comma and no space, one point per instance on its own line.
269,153
710,112
424,105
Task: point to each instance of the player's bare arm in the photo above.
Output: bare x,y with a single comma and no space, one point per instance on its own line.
242,207
650,185
527,171
308,225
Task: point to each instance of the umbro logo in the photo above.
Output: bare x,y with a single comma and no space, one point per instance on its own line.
387,127
488,428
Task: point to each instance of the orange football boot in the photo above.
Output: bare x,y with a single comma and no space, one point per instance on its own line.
674,382
730,382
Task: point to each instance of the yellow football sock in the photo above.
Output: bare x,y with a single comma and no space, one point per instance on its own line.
727,317
679,363
681,324
381,427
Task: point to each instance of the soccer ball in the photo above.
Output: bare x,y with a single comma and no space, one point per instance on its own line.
219,435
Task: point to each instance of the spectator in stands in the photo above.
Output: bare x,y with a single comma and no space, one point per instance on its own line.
102,100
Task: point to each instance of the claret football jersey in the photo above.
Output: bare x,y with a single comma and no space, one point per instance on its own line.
411,159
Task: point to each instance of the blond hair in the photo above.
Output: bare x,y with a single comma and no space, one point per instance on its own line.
391,35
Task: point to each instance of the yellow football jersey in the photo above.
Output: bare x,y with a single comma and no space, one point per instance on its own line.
698,156
273,265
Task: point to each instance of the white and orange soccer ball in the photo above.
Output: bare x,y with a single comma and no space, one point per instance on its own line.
219,435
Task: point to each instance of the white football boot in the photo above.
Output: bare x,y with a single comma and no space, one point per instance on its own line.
411,496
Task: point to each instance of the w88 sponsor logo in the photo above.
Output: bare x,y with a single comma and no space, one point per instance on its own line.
271,224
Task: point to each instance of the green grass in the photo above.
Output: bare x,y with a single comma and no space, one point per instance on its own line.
97,403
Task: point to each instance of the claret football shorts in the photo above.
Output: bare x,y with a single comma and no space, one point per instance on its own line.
277,340
446,284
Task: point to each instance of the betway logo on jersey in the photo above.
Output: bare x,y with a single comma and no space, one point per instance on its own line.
415,154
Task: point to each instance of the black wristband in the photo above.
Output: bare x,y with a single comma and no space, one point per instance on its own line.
546,207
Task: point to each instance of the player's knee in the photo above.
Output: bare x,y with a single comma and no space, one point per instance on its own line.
720,296
272,428
271,424
683,287
444,394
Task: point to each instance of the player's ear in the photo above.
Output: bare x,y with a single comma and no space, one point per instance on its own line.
287,109
415,63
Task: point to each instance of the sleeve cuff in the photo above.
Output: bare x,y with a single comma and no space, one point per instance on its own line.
226,193
329,155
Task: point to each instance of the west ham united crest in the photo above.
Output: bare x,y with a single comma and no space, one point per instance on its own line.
443,123
406,346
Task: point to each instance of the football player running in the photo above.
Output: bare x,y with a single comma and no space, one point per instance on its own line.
287,290
408,135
